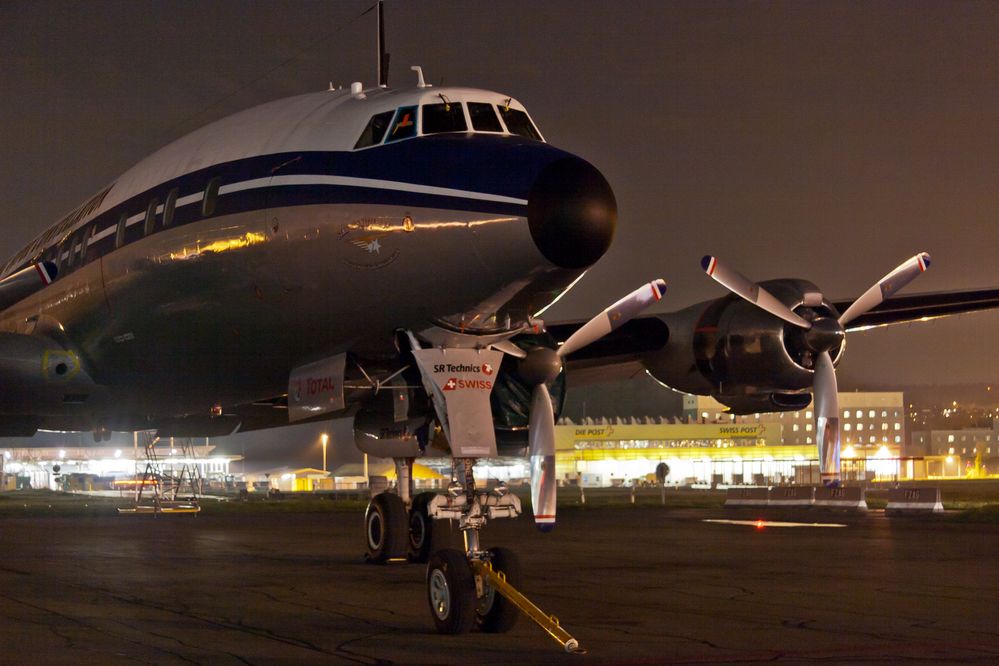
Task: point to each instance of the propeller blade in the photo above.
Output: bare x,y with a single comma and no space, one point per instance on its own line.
614,316
742,286
510,348
886,287
827,418
542,450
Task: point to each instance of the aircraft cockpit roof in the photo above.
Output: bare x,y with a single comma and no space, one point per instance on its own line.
398,115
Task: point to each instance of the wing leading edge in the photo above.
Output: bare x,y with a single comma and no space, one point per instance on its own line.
625,347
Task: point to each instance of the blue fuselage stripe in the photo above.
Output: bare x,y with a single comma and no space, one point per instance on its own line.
487,174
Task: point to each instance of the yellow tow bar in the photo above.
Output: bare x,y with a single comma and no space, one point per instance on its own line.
547,622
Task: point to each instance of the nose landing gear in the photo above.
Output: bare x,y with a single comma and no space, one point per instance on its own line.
479,587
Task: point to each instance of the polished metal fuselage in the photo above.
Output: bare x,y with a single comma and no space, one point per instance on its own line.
217,312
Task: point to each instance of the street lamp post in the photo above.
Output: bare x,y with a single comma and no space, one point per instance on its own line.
324,438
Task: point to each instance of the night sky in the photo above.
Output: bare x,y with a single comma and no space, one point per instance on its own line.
820,140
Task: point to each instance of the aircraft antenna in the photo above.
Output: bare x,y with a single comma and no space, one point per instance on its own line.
383,56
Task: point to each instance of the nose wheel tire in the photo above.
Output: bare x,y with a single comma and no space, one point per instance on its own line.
421,529
385,528
494,613
451,592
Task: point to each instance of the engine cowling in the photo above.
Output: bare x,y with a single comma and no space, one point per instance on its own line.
748,359
758,403
395,422
511,398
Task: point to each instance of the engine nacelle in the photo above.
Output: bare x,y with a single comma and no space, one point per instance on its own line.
741,354
758,403
392,423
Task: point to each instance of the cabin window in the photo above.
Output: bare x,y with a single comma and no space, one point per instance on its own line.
169,206
404,125
151,216
211,197
72,249
375,130
484,118
518,123
446,117
119,235
85,244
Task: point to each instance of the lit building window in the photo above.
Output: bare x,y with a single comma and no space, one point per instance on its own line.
846,427
795,428
808,440
860,414
884,413
808,427
884,426
871,414
808,415
950,438
897,439
846,413
951,450
871,440
898,426
860,426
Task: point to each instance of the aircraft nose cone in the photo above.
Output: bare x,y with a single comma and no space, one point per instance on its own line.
572,213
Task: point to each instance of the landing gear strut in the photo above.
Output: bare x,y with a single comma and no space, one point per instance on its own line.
478,587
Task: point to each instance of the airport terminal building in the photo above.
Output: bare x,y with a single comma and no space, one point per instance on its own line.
708,446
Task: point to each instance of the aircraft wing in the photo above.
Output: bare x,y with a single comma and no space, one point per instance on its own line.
618,355
920,307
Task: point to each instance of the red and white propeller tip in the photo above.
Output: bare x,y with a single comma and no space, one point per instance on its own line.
614,317
887,286
742,286
541,434
824,386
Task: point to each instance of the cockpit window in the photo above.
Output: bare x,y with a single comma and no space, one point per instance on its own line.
518,123
404,125
484,117
375,130
446,117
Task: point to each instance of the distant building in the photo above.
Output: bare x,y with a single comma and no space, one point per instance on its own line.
869,420
959,452
710,446
95,467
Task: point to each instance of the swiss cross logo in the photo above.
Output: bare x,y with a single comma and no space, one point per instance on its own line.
487,369
451,384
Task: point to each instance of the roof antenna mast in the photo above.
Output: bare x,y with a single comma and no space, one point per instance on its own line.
383,56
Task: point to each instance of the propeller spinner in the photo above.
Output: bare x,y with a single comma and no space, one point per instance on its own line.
821,336
540,366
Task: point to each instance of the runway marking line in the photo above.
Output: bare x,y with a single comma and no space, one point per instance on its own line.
760,524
